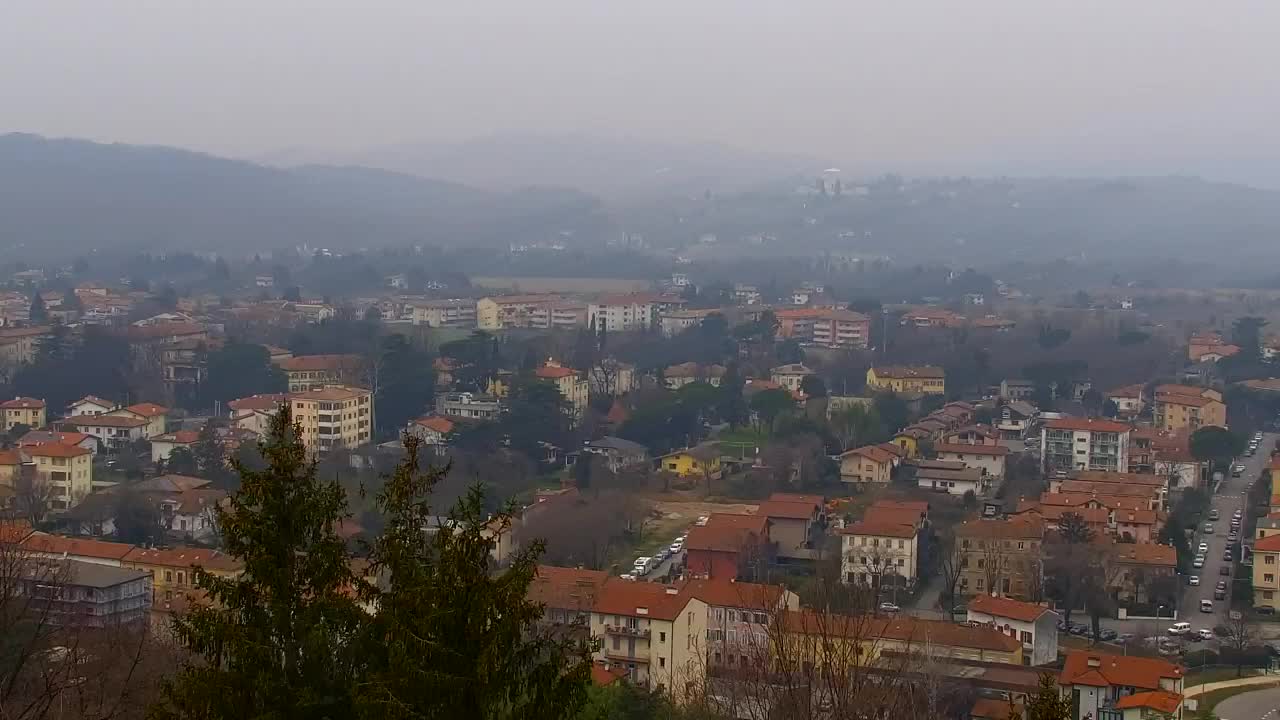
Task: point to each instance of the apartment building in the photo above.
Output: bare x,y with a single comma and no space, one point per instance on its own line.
1185,408
1084,444
312,372
172,570
796,524
66,469
841,329
567,315
817,637
1135,568
23,411
674,322
740,616
333,417
71,593
568,594
619,313
515,311
573,387
924,379
454,313
1001,557
468,406
113,431
878,554
1266,571
655,633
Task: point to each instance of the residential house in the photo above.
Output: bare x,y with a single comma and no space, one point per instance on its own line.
66,469
990,459
1266,571
739,618
42,437
972,435
84,594
58,547
1096,518
611,378
455,313
172,570
925,379
333,417
790,376
677,376
867,464
255,412
113,431
155,417
909,439
655,633
1101,686
313,372
23,411
1015,390
796,524
674,322
879,554
1129,400
162,446
1001,557
432,430
571,384
953,478
1084,444
1035,626
90,405
899,512
617,453
567,594
728,546
1182,407
1136,569
1016,419
702,460
468,406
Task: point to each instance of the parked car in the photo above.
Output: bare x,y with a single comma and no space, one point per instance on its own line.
1205,633
1125,637
888,607
1198,562
1220,594
1208,528
1213,514
703,520
1179,628
1222,585
627,576
1206,606
1204,548
1078,629
1193,580
1226,555
1108,634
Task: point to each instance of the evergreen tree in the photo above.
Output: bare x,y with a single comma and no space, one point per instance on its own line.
275,641
38,314
1049,704
449,637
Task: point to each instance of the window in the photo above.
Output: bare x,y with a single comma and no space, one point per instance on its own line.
1270,560
979,584
1268,577
168,576
761,618
662,662
617,643
1025,637
1021,545
662,637
1267,595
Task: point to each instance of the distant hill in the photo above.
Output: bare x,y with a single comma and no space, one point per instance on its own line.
60,197
621,170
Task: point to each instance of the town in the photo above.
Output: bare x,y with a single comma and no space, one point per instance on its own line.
742,495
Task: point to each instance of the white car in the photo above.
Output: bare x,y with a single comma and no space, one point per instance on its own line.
888,607
1193,580
628,576
1181,628
676,547
642,566
1205,634
703,520
1198,562
1204,548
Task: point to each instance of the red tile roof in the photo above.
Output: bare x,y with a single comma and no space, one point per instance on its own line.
641,599
996,450
720,539
601,675
60,545
56,450
880,529
798,497
891,516
552,372
731,594
182,437
184,557
566,588
1087,425
10,457
1159,700
909,372
313,363
14,531
1187,400
22,403
1007,608
1145,554
874,453
902,629
1270,543
920,506
435,422
1103,670
1012,528
116,421
268,401
148,410
1128,391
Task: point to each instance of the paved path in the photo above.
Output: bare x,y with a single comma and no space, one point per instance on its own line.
1256,705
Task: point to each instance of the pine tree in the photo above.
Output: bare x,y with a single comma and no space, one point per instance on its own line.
1049,703
450,638
275,641
38,314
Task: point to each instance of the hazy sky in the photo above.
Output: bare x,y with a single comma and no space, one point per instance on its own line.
957,86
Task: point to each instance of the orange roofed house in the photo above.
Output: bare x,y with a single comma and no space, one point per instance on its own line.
656,633
1183,407
1001,557
728,546
23,411
172,570
1104,687
568,594
796,524
739,618
1034,625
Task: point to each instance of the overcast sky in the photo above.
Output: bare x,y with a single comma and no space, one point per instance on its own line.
955,86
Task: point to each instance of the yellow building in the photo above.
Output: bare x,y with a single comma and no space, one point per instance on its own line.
909,441
515,311
572,386
1266,572
66,469
700,460
924,379
333,417
23,411
1182,407
172,570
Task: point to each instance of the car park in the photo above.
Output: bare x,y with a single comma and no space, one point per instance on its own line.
1193,580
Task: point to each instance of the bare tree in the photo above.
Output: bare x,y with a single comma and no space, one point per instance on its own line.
1242,634
950,565
992,563
32,496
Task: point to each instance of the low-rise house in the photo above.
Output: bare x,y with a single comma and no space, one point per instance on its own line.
1016,420
468,406
728,546
617,452
674,322
113,431
796,524
953,478
655,633
1013,390
899,512
172,570
822,636
990,459
867,464
879,554
1129,400
255,411
26,411
924,379
677,376
162,446
790,376
1138,569
45,437
155,416
1097,519
83,594
702,460
432,430
456,313
1033,625
1101,685
90,405
972,435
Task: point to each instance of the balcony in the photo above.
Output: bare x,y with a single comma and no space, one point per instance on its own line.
625,631
625,656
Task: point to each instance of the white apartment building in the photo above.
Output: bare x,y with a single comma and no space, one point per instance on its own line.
619,313
872,550
459,312
1071,443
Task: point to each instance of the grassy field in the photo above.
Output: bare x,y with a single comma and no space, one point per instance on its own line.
1214,674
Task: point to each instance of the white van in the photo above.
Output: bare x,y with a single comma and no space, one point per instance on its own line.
1206,606
1181,628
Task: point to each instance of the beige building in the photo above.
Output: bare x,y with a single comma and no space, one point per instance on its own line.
333,417
312,372
66,469
1001,557
515,311
18,345
867,464
23,411
1183,407
456,313
572,386
1266,572
878,554
655,633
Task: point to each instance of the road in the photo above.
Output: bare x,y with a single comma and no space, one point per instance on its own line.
1232,495
1256,705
